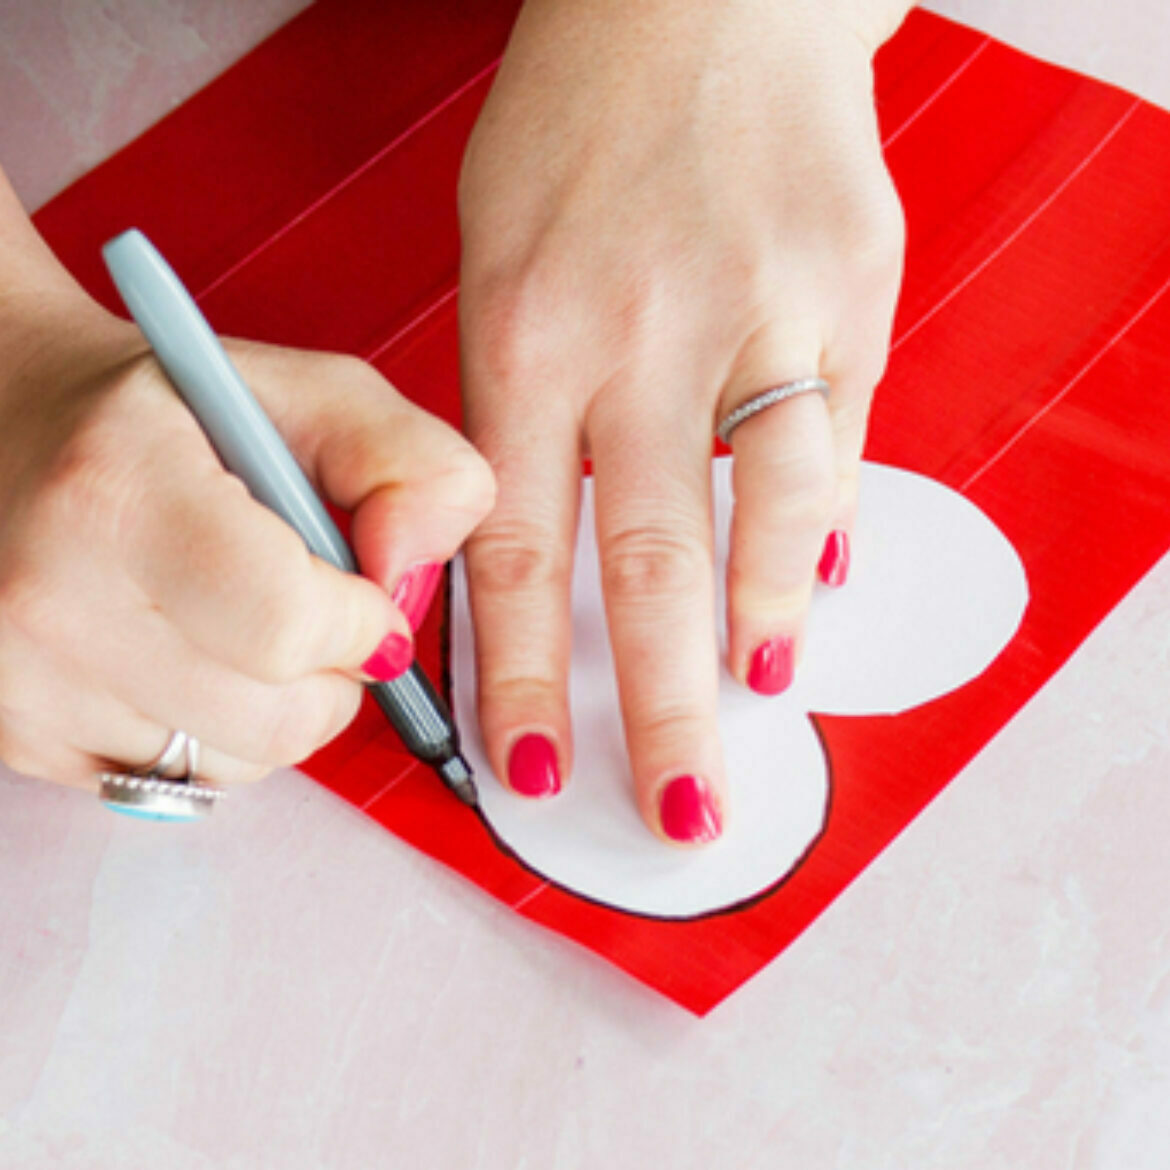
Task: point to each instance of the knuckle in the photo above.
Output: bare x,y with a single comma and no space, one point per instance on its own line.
72,769
329,367
802,507
280,654
346,367
875,237
851,416
248,773
301,723
778,599
89,488
512,332
21,762
321,376
670,724
20,758
354,374
468,481
280,645
869,369
28,606
517,558
802,491
286,736
527,694
347,702
90,480
848,483
10,752
644,562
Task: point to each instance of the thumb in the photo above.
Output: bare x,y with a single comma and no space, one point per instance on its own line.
415,487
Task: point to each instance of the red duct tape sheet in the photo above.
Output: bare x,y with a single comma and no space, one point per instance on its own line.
308,198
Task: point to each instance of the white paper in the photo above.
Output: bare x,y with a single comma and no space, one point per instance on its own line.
935,592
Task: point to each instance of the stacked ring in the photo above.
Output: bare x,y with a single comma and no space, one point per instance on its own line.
150,794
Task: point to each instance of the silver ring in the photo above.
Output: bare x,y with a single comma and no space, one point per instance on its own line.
156,799
767,398
168,757
193,750
146,793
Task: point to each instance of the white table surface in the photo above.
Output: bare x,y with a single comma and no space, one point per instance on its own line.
289,986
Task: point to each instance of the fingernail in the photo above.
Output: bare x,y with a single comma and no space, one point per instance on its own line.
834,564
416,590
391,659
687,811
772,666
532,767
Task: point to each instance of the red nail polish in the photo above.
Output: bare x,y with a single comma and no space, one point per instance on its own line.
834,564
688,812
416,590
772,667
532,767
393,656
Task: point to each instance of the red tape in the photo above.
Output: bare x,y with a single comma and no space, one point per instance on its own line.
310,192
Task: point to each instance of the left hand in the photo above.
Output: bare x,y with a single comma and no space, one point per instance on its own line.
667,209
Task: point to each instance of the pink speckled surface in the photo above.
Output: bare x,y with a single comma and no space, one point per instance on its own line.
287,986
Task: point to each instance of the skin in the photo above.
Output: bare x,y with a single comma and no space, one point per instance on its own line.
142,589
667,208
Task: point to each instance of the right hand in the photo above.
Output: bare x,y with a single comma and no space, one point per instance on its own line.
143,590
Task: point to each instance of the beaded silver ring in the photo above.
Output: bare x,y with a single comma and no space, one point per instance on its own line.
767,398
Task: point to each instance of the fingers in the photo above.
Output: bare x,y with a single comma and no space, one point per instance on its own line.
252,596
136,751
784,483
66,718
130,741
519,565
243,589
855,354
655,545
201,610
848,423
795,477
853,368
137,662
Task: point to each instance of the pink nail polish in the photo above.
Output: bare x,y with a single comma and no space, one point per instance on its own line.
772,666
532,767
416,590
393,656
834,564
688,812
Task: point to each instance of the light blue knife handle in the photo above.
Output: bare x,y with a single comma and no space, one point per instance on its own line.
243,435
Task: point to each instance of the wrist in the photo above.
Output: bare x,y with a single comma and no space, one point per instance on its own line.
872,21
45,315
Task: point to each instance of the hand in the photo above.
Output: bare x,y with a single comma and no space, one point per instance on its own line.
142,589
667,208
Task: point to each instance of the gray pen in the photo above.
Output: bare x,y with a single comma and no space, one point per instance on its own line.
251,448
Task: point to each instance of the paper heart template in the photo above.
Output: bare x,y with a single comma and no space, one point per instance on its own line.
936,592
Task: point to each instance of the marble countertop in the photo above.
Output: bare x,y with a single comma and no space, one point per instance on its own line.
290,987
